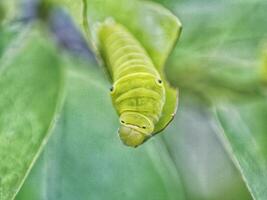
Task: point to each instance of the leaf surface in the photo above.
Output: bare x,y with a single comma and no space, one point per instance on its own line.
243,131
31,91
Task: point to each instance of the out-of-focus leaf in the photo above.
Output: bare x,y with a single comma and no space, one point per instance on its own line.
243,130
85,159
218,56
32,187
206,171
2,11
218,53
7,30
7,35
30,83
9,10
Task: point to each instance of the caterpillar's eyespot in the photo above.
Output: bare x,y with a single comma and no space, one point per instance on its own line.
111,89
159,81
123,122
144,127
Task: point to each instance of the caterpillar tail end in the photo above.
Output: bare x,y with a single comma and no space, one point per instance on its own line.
131,137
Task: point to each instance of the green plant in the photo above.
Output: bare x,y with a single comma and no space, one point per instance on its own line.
214,148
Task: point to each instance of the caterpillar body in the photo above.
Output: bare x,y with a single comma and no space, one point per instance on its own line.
138,92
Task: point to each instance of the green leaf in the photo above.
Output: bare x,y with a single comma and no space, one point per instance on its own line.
31,91
2,11
7,34
218,53
8,11
85,159
243,131
205,168
218,58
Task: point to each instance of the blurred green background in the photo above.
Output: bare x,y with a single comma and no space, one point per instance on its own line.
215,149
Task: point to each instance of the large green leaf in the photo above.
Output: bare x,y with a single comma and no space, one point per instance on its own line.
206,171
85,159
8,30
8,33
218,57
30,83
218,53
243,131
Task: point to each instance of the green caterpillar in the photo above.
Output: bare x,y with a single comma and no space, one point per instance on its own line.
138,92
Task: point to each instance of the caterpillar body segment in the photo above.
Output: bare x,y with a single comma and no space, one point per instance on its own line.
138,93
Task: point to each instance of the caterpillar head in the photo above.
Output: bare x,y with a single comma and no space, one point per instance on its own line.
135,128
